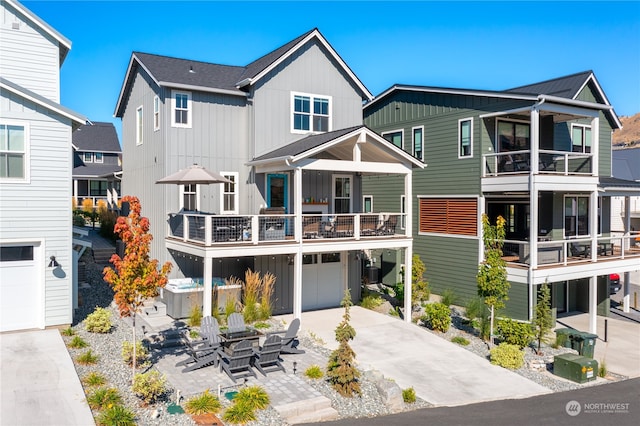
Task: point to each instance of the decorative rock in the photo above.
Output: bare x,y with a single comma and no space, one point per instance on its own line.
391,395
537,365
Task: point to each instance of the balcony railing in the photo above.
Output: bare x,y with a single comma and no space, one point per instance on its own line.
549,162
212,230
570,251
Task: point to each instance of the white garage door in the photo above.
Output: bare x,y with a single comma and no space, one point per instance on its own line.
19,294
322,281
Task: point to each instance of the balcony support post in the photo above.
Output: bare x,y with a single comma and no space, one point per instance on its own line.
593,303
593,224
408,266
625,244
534,143
595,142
208,291
533,225
408,208
297,268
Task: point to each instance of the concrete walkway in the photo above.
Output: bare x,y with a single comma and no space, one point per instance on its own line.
441,372
621,352
38,381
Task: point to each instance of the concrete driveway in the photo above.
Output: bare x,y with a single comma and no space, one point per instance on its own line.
38,382
441,372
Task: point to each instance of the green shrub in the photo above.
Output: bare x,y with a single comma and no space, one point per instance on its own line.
239,413
602,369
102,398
94,379
107,223
77,343
398,291
314,372
194,334
87,358
203,403
478,314
261,325
460,340
230,306
409,395
394,312
78,220
508,356
515,332
254,397
448,297
142,353
99,321
195,316
149,386
67,332
437,316
371,301
116,416
561,339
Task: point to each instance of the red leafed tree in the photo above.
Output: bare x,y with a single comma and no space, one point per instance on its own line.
135,277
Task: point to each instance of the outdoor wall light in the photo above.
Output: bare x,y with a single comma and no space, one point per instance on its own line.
53,263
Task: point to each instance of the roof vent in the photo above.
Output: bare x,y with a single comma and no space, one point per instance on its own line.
15,25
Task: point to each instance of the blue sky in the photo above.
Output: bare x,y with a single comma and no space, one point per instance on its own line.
474,45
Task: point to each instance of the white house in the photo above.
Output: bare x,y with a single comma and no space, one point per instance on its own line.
36,269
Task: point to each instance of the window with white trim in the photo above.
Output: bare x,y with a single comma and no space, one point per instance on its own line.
156,113
87,157
465,138
395,137
576,216
403,210
581,138
311,113
418,141
342,194
180,109
98,157
229,199
13,152
367,204
189,198
139,125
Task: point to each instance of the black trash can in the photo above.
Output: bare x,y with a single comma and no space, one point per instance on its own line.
373,273
588,344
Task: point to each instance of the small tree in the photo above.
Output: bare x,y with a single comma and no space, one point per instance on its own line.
135,277
542,317
493,286
341,370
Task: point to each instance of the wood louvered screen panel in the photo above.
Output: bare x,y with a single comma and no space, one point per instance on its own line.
449,216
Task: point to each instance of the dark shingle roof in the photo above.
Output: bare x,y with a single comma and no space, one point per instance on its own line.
626,163
96,137
611,182
565,87
306,143
95,170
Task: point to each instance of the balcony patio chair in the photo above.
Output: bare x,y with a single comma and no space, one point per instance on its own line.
235,323
238,364
267,359
311,227
209,330
203,355
389,225
578,250
290,340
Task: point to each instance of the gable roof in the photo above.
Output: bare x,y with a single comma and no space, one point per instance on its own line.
64,45
625,163
168,71
96,137
567,87
76,119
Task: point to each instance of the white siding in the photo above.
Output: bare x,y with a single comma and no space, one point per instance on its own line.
29,57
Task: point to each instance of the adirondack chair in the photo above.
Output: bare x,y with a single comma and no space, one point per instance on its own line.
238,364
389,226
289,338
208,328
202,355
267,359
235,323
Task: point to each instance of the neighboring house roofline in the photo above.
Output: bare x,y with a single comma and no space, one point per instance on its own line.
77,119
64,43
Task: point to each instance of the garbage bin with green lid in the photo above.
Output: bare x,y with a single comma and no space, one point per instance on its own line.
588,344
577,341
564,336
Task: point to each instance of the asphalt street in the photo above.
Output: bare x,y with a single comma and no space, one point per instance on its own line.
610,404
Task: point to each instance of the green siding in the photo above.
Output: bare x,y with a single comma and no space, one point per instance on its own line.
517,306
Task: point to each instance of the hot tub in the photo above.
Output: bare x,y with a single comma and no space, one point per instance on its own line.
182,294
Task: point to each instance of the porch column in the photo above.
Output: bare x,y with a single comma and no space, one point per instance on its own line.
533,226
297,272
408,205
534,141
625,244
408,265
297,286
593,303
208,291
595,139
593,224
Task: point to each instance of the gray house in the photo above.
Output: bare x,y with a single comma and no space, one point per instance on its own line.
97,163
538,155
286,131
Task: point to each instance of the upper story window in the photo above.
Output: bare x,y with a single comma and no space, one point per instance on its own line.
13,152
181,109
139,125
189,198
418,140
395,137
513,136
229,199
465,138
87,157
98,157
581,138
342,194
576,216
156,113
311,113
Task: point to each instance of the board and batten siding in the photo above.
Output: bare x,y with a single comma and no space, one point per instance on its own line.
29,56
40,210
309,70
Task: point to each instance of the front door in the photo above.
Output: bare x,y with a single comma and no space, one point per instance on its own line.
278,191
